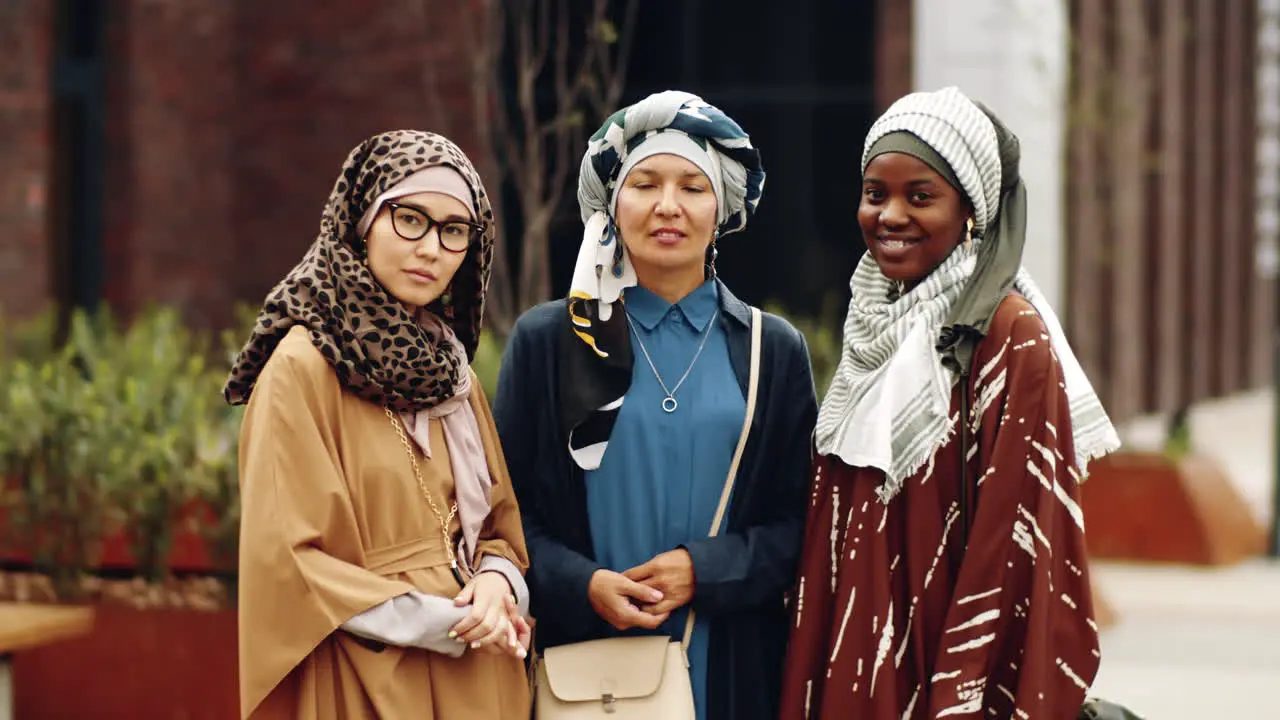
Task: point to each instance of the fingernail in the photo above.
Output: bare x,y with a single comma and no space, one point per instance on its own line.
521,654
452,634
475,645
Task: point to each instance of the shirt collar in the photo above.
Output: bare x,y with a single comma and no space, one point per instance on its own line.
696,308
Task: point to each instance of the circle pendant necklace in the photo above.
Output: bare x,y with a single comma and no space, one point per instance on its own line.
669,403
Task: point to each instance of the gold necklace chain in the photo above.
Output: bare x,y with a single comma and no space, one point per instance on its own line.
398,424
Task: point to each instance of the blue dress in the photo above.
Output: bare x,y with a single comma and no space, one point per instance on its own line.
660,480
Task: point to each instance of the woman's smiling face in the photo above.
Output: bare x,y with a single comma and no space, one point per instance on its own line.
911,217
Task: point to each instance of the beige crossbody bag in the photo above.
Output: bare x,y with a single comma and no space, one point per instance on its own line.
634,678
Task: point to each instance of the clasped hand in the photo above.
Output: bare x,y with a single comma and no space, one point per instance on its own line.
494,623
646,595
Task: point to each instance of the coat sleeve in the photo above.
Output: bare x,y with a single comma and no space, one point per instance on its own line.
757,564
300,570
502,547
414,619
1020,639
558,575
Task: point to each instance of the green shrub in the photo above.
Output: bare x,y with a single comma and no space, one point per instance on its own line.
823,336
118,429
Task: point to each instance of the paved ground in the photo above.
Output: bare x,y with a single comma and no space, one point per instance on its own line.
1196,643
1193,644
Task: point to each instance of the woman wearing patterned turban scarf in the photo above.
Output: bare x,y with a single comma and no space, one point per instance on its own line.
944,570
381,550
620,408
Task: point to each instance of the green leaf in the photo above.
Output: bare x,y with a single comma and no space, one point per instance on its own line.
607,32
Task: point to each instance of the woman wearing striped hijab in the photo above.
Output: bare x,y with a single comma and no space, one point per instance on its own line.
620,409
944,570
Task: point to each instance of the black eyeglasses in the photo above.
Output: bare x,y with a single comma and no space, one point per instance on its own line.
411,223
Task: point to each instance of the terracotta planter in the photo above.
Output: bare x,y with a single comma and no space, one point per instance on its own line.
137,664
190,552
1145,506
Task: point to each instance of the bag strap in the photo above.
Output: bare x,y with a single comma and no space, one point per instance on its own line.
957,560
964,461
753,383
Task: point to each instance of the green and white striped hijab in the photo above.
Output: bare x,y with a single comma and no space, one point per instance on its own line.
888,406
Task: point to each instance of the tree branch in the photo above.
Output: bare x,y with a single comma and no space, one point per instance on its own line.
484,36
534,141
616,78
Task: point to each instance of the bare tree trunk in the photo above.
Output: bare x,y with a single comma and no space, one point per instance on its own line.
486,41
517,139
595,80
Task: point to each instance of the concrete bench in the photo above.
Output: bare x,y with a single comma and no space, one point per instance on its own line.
25,626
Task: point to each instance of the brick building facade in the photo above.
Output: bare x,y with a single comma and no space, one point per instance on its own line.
25,33
224,125
221,126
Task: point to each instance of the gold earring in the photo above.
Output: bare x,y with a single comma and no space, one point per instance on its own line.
968,234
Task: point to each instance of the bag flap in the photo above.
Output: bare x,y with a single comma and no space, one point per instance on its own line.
625,668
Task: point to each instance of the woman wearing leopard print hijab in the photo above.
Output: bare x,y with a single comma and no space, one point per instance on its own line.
381,571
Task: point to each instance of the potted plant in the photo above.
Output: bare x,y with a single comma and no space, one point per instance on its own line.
56,510
119,460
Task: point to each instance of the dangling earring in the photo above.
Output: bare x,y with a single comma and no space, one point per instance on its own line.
446,300
715,252
968,233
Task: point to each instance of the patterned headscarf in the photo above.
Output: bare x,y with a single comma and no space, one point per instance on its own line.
597,370
378,349
888,406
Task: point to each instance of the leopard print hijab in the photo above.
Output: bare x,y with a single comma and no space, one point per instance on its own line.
376,347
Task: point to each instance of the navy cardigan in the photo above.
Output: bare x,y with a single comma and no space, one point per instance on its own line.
741,576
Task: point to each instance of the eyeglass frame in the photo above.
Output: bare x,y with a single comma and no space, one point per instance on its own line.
477,230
